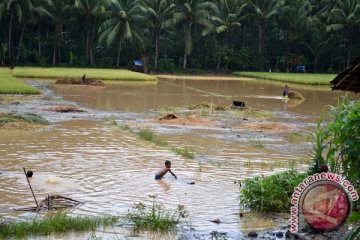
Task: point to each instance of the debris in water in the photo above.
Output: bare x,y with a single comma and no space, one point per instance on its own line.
217,221
53,202
169,117
295,95
65,109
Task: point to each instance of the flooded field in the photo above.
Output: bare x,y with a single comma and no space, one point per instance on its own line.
110,169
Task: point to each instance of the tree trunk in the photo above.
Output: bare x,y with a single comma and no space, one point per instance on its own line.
185,59
20,41
118,55
287,46
39,41
261,42
91,44
315,63
349,38
57,43
10,39
87,44
157,43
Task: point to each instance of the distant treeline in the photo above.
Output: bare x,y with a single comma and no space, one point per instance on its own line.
171,34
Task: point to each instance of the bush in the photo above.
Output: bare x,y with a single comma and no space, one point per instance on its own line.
166,64
272,193
155,217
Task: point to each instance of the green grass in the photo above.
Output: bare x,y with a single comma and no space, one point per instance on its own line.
11,85
56,223
101,74
155,217
301,78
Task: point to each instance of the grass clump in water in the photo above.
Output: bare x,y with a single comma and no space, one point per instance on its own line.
27,117
257,143
148,135
155,217
272,193
56,223
187,152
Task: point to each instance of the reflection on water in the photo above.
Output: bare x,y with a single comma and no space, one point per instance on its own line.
109,169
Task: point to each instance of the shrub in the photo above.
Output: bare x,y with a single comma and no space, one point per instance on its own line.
272,193
155,217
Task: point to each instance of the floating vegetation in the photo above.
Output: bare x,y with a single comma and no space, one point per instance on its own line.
80,81
255,142
295,95
55,223
206,105
26,117
146,134
187,152
155,217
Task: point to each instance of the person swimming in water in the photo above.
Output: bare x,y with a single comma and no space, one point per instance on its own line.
163,171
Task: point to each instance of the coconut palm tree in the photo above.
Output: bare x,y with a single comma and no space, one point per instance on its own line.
17,10
90,11
265,10
295,18
58,11
159,12
345,15
127,15
226,17
189,13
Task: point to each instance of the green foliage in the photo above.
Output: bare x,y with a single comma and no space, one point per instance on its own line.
146,134
254,142
319,146
272,193
55,223
155,217
166,64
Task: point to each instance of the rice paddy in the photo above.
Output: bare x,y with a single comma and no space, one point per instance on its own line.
11,85
101,74
300,78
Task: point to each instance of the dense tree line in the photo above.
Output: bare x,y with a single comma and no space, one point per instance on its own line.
168,34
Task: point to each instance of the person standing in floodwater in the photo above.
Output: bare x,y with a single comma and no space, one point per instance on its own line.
285,92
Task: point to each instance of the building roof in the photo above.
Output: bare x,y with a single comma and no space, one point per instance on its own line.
348,80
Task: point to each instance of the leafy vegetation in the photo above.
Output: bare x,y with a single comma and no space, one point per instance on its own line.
171,33
272,193
187,152
155,217
11,85
301,78
337,142
55,223
103,74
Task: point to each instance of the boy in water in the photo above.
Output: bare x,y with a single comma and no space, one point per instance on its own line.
163,171
285,92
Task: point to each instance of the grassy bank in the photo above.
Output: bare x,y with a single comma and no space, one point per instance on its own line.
300,78
102,74
57,223
11,85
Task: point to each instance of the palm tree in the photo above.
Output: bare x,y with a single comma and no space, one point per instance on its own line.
18,10
90,11
58,10
123,24
159,12
265,10
190,13
345,14
295,19
319,43
226,18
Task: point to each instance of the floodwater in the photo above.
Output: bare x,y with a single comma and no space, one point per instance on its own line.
110,169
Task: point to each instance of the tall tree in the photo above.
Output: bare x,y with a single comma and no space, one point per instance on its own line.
295,18
188,14
18,10
265,10
123,24
226,17
90,11
159,13
345,15
58,11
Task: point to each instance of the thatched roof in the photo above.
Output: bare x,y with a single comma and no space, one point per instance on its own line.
348,80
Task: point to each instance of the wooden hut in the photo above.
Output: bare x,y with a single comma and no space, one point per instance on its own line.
348,80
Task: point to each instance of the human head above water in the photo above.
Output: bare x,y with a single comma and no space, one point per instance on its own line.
167,163
29,174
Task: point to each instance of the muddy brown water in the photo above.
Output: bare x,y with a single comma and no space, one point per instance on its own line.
109,169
